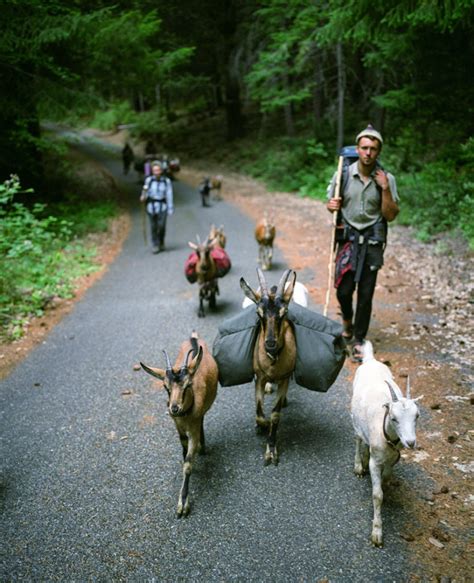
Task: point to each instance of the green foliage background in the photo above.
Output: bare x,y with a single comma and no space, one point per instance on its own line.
271,87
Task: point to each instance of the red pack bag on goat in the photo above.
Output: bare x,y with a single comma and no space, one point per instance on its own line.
222,260
190,267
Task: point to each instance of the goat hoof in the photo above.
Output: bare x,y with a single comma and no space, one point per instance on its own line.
183,511
271,457
377,540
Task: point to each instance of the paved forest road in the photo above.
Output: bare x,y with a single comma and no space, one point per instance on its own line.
91,463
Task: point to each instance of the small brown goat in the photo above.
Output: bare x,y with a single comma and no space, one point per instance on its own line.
192,388
219,236
206,272
216,186
265,234
274,357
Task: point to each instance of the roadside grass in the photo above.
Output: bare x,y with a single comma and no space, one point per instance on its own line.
44,248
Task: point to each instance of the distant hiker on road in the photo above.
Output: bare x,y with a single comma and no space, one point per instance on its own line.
369,200
157,194
127,157
204,191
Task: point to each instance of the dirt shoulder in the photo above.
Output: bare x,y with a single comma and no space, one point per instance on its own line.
422,326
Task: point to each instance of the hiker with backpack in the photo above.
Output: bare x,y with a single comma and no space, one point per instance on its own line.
128,157
205,190
157,194
368,200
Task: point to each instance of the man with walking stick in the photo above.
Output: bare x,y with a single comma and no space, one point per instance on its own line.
368,200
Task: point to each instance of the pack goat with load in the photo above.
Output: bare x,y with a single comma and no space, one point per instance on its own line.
273,340
205,265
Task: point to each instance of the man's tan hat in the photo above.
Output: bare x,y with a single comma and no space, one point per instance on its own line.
370,132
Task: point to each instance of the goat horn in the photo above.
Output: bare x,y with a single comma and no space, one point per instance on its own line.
281,285
392,392
408,387
186,358
262,282
168,361
198,239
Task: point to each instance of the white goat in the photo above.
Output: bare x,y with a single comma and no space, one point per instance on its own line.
300,295
384,422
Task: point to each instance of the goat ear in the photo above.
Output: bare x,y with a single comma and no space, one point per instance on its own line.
289,288
248,291
195,362
419,398
192,245
159,373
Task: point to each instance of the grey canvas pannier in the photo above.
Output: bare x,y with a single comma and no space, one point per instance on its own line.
320,348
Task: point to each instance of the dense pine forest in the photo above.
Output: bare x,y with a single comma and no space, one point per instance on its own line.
286,84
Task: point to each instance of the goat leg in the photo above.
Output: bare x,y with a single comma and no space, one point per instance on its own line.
271,453
202,440
261,421
361,458
377,499
183,501
183,438
201,313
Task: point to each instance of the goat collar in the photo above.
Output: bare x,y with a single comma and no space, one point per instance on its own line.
392,443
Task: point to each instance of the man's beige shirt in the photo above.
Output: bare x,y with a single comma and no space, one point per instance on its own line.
361,205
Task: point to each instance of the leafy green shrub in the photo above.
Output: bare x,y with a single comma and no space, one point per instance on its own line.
39,258
119,113
438,198
288,164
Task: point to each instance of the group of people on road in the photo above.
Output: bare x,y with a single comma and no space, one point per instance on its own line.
368,201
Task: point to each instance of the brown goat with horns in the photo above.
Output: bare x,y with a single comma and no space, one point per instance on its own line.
192,388
265,232
206,271
274,357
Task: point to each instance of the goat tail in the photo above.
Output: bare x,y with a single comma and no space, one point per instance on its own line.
368,351
194,342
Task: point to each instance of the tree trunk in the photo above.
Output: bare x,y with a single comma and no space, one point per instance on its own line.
141,102
379,115
288,109
341,83
318,90
158,97
235,122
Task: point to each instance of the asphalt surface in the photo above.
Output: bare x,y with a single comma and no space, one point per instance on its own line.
91,462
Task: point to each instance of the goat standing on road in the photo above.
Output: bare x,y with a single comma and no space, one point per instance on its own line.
218,235
192,388
384,422
216,186
274,357
265,234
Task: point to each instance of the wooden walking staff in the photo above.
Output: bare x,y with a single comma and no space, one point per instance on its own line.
144,190
337,194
